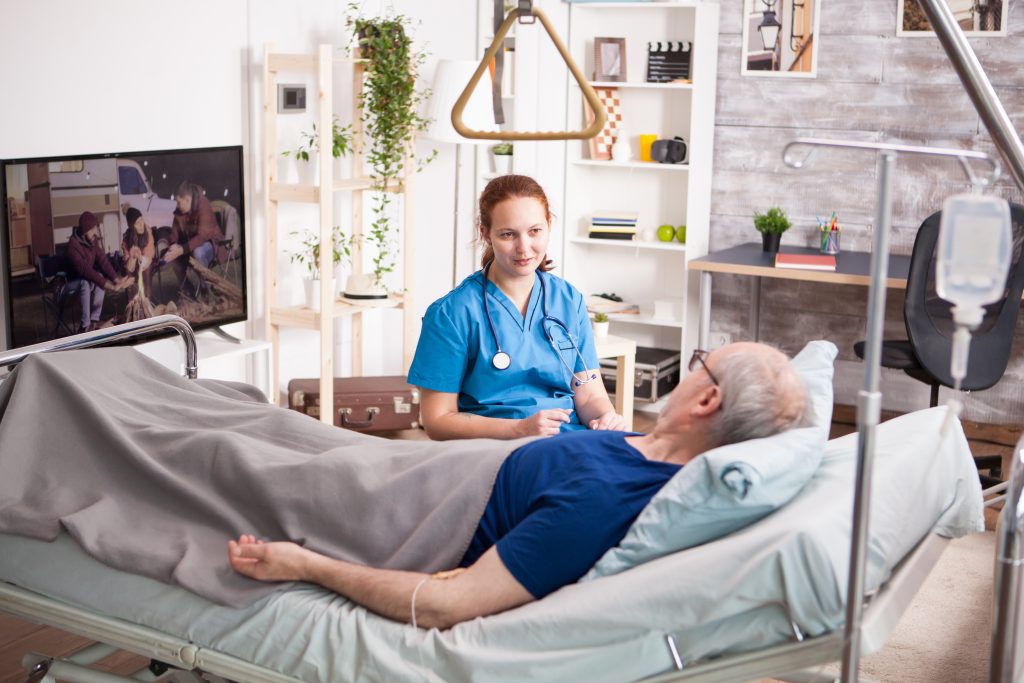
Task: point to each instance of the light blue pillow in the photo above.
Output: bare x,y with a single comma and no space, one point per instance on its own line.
730,487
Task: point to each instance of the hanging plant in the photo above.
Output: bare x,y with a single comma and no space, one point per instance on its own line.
389,102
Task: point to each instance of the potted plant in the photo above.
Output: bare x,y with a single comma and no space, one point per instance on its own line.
501,158
771,225
601,324
308,256
389,104
304,155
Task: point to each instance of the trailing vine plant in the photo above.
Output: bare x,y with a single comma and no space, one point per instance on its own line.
389,102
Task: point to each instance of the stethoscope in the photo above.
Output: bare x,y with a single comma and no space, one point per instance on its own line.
501,360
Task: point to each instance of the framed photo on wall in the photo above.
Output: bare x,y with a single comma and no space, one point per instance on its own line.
987,18
610,59
780,38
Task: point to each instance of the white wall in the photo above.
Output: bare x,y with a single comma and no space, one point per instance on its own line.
89,78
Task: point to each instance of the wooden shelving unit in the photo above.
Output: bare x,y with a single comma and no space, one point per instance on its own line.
322,65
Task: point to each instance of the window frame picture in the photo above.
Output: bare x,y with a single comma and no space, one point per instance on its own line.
994,33
807,23
605,64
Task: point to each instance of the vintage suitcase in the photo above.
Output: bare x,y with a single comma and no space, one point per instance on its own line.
657,373
363,404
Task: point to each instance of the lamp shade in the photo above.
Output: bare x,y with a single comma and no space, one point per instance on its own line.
450,80
769,30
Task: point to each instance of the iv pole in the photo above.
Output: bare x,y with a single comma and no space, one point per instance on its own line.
869,399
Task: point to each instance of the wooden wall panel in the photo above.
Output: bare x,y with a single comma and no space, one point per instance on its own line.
871,86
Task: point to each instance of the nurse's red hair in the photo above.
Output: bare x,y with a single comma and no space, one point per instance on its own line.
509,187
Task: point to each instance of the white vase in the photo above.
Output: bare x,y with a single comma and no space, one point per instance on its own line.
308,172
501,164
312,287
621,151
601,329
287,171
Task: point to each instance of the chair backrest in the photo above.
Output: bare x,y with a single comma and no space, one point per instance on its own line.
929,318
50,266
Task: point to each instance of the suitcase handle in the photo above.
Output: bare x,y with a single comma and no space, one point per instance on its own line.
343,417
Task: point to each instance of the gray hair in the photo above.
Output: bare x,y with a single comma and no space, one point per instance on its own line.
761,396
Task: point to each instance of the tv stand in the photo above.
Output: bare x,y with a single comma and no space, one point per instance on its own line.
219,331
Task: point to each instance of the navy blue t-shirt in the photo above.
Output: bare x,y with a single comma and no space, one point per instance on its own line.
560,503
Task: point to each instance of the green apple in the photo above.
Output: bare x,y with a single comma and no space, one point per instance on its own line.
666,233
681,234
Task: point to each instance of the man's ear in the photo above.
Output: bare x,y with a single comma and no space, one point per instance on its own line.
708,402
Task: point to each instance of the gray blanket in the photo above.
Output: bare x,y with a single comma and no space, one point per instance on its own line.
152,473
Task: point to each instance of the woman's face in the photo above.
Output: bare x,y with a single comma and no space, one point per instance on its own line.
139,225
519,235
184,203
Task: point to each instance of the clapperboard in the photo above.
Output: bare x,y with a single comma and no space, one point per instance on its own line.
668,61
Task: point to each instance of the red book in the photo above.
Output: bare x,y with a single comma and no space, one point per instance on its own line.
806,261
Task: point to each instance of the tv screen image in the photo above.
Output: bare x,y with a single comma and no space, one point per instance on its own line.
74,263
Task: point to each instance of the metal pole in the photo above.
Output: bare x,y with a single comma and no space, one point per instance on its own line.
977,85
1007,604
869,401
112,334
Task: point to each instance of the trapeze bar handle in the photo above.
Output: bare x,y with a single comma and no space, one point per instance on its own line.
600,115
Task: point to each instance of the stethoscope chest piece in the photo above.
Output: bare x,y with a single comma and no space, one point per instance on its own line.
501,360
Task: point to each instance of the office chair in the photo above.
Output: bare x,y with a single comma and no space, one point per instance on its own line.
925,355
56,292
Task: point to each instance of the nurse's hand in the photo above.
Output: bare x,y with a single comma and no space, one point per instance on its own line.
543,422
610,420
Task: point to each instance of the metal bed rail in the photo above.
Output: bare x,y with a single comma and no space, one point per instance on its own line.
1008,616
112,334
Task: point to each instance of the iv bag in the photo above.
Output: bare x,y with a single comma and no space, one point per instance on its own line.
974,251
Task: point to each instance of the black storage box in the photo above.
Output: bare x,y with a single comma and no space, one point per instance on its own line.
662,364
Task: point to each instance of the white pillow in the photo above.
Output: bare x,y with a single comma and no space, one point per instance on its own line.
730,487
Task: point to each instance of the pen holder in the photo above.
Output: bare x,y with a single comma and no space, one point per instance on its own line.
830,242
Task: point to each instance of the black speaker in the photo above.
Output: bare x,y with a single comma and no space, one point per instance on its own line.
669,151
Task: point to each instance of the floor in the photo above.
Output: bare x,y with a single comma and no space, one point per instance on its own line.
18,637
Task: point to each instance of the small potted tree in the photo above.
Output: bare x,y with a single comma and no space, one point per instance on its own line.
308,256
601,324
501,158
771,225
304,156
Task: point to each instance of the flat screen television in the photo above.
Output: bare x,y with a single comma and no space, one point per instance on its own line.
184,254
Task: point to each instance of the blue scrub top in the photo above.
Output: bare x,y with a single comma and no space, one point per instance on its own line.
456,347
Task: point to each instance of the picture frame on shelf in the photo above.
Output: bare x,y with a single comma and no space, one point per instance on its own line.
983,19
610,59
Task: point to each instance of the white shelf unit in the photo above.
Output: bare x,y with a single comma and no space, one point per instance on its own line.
322,65
643,271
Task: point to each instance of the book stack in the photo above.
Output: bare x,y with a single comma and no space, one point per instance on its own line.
613,225
668,61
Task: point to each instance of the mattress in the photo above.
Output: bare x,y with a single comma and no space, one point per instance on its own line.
740,593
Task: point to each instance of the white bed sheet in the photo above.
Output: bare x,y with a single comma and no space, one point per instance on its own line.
739,593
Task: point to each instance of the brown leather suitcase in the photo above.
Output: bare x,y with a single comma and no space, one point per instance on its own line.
363,404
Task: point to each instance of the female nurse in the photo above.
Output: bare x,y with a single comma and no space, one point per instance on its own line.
509,352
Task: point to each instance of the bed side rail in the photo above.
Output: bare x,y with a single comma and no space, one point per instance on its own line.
1008,617
111,334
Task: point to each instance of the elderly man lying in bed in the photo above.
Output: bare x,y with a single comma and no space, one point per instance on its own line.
559,503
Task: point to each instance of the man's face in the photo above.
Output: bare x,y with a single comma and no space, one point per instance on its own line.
184,203
92,234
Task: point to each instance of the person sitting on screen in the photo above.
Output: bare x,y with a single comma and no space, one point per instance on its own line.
138,249
195,232
558,504
90,271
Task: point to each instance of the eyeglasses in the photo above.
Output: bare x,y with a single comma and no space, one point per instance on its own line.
699,356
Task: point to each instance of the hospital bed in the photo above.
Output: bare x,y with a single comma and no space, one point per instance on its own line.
767,600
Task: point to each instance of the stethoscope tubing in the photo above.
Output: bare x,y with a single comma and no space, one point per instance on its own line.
501,360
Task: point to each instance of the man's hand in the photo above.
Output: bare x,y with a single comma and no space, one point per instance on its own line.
610,420
543,422
268,561
173,252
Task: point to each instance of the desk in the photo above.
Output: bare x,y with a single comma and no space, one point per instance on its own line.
852,268
624,352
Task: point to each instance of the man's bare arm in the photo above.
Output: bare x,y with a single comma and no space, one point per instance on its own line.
485,588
